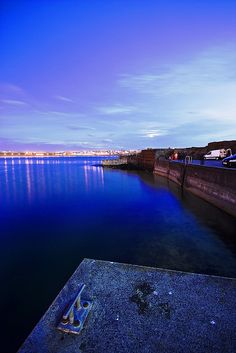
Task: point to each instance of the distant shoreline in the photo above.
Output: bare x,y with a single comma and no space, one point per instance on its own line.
93,153
59,156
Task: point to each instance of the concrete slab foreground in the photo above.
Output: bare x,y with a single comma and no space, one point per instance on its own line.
142,310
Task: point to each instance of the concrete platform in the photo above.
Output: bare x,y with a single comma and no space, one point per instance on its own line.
139,309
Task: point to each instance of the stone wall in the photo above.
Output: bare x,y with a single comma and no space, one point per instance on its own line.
144,160
176,172
161,167
215,185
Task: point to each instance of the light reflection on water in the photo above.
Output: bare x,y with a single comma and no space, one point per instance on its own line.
22,182
56,211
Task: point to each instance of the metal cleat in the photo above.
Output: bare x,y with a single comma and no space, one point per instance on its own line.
73,319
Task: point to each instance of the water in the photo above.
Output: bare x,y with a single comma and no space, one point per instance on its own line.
55,212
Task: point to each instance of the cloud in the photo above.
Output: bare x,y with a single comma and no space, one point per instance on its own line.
201,134
79,128
9,88
154,133
12,96
14,102
117,109
106,140
206,72
64,99
14,144
187,103
55,113
187,94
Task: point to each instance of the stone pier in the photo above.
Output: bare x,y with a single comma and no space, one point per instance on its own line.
139,309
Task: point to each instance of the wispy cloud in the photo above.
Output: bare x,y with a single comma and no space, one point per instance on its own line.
201,134
58,113
154,133
107,140
10,88
189,103
79,128
117,109
14,102
210,69
64,99
187,94
13,97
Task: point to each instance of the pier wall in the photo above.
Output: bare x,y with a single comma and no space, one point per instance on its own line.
144,160
114,162
215,185
176,172
162,167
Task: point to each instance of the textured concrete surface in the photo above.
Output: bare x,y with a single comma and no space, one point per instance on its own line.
141,309
114,162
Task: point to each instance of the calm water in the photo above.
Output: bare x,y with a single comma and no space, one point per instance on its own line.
55,212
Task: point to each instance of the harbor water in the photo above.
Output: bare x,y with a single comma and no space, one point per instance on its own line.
56,211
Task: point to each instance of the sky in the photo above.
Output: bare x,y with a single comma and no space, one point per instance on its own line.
116,74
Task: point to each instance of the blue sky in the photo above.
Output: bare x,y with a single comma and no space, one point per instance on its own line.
116,74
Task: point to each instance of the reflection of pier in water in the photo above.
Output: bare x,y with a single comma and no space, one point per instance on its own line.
205,213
